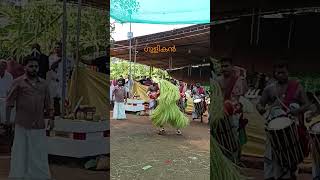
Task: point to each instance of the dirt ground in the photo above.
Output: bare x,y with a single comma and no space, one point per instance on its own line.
136,144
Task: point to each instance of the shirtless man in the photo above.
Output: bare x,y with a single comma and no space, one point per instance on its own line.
313,112
198,92
283,92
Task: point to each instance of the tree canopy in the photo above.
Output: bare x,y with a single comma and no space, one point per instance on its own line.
40,21
120,68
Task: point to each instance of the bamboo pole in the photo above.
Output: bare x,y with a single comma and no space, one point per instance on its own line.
77,48
130,39
64,55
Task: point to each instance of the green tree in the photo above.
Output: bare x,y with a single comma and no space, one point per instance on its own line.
41,21
121,68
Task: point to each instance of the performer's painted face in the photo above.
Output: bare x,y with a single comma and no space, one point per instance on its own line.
282,74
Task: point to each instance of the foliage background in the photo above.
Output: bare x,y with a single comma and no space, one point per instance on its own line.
120,67
40,21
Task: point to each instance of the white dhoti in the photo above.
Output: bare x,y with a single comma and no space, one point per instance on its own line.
119,111
195,112
315,163
272,169
315,170
29,157
3,112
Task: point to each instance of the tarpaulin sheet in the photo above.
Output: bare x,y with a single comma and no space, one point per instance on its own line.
161,11
93,87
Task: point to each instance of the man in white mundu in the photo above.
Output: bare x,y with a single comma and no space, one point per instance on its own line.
30,95
56,64
281,96
5,83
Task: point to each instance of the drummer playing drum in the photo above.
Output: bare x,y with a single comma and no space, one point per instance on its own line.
233,86
312,119
281,94
153,93
198,94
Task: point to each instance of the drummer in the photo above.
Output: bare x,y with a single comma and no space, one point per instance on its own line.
6,80
182,100
314,111
153,93
198,92
233,86
281,93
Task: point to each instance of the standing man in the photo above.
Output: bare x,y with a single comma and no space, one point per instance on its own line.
198,92
30,94
283,92
55,62
314,111
120,98
43,60
54,88
14,68
6,80
233,86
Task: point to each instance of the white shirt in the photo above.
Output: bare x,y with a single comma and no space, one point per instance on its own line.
54,90
5,84
111,92
54,58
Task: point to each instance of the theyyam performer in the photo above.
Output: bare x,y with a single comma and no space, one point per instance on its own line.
167,111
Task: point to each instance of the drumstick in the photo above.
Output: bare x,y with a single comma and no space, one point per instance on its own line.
316,98
288,109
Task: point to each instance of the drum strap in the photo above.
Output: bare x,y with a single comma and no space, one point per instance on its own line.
275,118
291,91
230,87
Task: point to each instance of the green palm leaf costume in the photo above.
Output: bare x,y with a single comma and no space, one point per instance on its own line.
167,111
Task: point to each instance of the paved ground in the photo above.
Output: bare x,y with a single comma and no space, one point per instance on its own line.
136,144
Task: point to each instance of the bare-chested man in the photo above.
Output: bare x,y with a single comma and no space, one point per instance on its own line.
311,119
283,93
233,87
